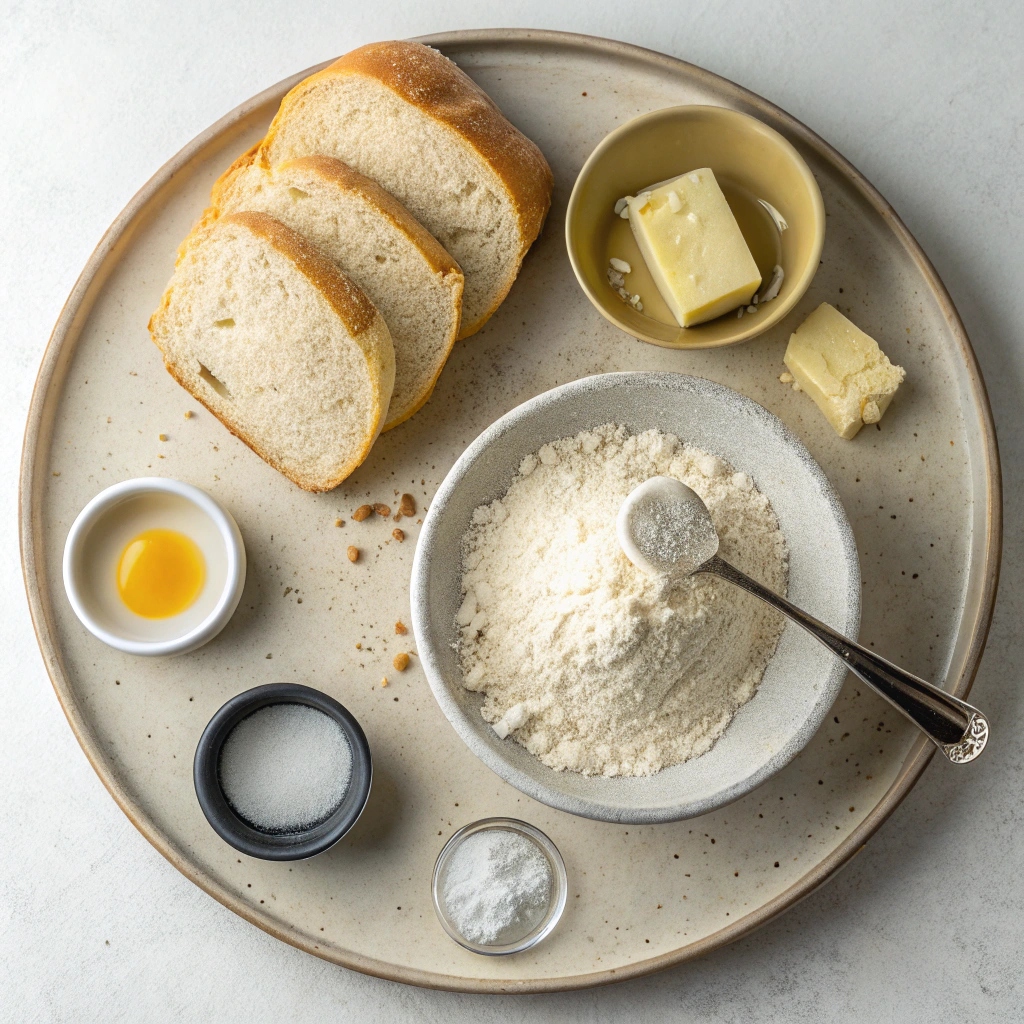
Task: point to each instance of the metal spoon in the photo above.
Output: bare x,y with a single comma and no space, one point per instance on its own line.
665,530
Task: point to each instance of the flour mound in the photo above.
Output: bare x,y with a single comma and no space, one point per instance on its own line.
587,662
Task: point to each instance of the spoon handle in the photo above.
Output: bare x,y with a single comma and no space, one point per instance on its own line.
957,729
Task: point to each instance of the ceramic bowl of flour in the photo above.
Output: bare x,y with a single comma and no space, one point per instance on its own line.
802,679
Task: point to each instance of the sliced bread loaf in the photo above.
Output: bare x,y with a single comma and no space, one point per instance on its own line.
403,269
406,116
279,345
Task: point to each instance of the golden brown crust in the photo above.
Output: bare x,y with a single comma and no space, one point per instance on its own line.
337,171
439,259
347,299
352,306
213,212
423,399
345,177
427,79
457,283
222,186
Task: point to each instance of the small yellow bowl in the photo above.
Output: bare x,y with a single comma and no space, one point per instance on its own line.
751,162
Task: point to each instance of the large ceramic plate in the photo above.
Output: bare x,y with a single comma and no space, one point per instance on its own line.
922,494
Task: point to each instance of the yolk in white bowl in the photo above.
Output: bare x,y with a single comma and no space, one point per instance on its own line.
116,598
160,573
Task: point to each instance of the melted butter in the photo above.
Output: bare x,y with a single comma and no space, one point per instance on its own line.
756,224
160,573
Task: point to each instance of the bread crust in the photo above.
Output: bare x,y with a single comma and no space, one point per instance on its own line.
437,256
347,178
222,186
354,309
333,169
347,299
329,167
426,79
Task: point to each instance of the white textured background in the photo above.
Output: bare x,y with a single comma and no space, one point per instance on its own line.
926,98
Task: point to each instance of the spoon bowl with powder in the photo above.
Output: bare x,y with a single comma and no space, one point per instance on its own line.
666,530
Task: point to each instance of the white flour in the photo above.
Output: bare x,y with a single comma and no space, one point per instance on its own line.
589,663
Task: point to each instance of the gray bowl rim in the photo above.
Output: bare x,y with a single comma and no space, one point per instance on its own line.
237,832
423,564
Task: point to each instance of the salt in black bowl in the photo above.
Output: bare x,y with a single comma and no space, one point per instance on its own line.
245,836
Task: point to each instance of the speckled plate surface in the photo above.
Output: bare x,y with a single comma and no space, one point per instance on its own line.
802,679
922,493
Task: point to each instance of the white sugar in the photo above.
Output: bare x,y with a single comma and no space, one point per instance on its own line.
286,767
498,887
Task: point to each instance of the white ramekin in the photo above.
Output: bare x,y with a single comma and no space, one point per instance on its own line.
102,506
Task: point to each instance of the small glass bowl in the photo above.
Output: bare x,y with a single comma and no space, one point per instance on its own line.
559,885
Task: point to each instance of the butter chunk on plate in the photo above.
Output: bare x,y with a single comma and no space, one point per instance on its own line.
849,377
693,247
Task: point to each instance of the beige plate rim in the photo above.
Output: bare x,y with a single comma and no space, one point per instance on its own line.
37,433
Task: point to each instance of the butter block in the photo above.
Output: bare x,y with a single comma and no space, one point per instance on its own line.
693,247
849,377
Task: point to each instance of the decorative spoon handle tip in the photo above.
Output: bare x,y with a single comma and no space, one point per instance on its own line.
959,730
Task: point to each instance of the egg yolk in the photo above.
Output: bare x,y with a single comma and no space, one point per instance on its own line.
160,573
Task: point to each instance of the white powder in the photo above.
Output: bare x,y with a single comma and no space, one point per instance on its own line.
497,888
668,532
588,662
286,767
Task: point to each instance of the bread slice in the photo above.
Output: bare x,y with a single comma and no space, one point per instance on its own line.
406,116
403,269
279,345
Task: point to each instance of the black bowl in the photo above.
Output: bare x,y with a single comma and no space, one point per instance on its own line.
238,832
